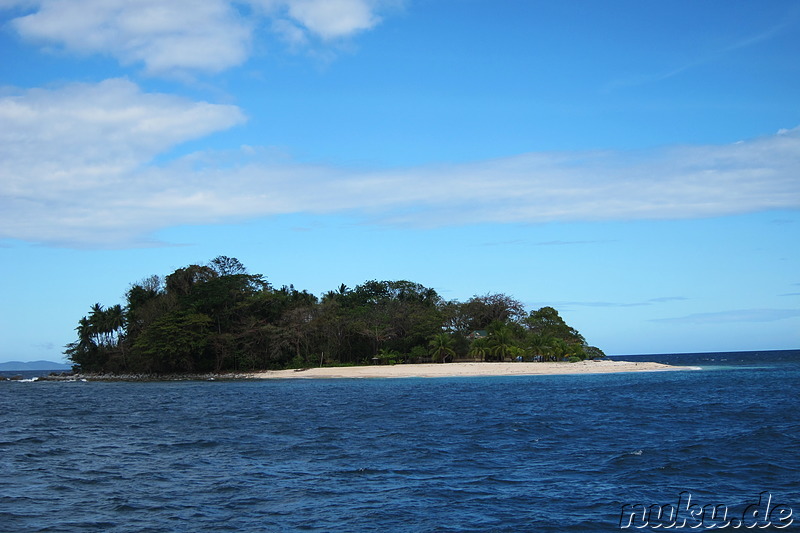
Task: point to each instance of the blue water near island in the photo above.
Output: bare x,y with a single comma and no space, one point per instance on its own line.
504,454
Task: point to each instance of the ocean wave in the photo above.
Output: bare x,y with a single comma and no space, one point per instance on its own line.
562,455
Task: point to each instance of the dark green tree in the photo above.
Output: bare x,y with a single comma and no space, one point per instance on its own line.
176,342
441,348
480,311
548,323
502,341
218,317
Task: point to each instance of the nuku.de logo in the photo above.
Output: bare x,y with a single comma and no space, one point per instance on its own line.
690,515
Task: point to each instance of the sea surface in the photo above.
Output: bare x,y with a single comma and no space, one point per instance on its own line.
504,454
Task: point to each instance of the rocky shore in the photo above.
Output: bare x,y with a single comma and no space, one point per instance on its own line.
70,376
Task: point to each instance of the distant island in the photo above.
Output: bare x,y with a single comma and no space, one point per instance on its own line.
219,318
27,366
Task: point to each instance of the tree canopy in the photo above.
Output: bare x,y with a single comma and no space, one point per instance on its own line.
217,317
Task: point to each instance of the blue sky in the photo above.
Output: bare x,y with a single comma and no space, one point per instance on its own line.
634,164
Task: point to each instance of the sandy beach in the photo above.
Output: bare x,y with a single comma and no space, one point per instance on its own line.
467,370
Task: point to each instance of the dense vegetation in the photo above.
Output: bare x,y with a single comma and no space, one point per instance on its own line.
218,317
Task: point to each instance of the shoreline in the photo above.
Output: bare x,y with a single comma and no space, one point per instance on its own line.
478,369
423,370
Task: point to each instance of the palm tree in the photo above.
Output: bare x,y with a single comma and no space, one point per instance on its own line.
441,347
538,345
501,342
342,291
84,330
114,322
479,348
517,353
559,348
97,320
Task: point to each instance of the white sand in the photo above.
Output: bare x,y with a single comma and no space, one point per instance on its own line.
468,369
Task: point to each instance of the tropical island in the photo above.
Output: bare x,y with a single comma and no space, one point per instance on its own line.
218,318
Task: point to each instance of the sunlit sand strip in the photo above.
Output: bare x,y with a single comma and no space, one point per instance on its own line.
469,370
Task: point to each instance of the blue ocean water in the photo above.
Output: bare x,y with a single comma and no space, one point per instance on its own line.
504,454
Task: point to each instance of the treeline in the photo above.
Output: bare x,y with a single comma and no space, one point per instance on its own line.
218,317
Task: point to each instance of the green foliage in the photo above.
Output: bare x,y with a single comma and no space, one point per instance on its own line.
549,338
547,322
480,311
418,354
176,342
479,349
593,352
218,317
441,348
388,357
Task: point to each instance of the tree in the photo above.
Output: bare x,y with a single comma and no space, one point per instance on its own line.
441,348
538,346
181,282
334,295
396,315
480,311
227,266
99,339
84,329
218,317
220,297
97,321
114,322
331,329
176,342
454,317
559,349
479,349
501,341
593,352
547,322
84,353
146,301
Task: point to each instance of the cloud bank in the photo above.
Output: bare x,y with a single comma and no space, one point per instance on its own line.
79,170
183,36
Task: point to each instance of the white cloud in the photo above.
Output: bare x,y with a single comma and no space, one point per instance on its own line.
71,157
738,315
78,170
332,19
643,303
181,36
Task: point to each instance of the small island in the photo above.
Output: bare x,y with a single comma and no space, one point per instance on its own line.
219,319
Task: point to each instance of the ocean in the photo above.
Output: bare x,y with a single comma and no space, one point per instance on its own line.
491,454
